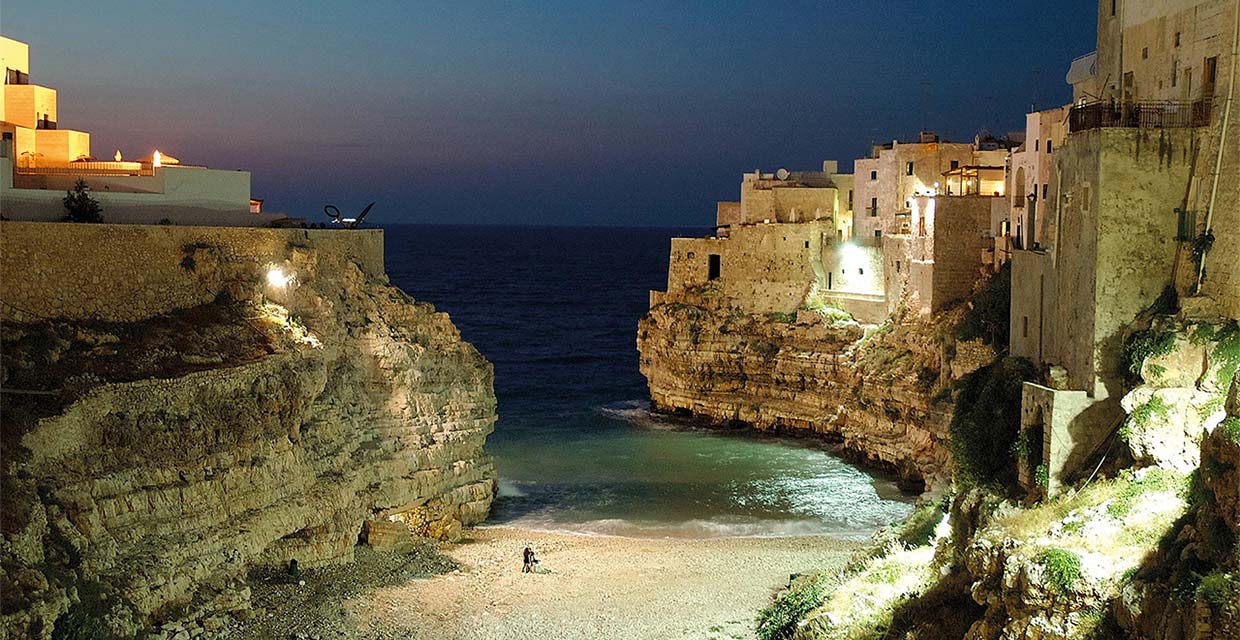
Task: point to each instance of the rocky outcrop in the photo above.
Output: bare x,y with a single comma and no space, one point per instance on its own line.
148,466
872,394
1190,588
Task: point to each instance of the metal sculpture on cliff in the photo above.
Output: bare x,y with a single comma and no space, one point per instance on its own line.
348,223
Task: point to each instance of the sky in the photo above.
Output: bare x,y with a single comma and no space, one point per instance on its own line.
553,112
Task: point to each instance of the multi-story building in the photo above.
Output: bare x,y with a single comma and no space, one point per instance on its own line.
40,160
791,196
1145,172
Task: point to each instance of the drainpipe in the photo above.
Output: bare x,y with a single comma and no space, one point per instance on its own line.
1222,136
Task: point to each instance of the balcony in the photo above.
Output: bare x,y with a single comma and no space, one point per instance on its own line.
1140,115
27,168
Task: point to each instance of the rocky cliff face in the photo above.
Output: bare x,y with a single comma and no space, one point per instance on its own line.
873,394
148,466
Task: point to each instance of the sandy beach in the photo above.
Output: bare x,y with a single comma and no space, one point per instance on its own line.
595,587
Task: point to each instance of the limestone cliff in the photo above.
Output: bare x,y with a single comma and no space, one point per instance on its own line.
149,465
873,394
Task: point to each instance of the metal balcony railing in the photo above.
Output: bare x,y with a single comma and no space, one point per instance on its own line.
1140,115
87,169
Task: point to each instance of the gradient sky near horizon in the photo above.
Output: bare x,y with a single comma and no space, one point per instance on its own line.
554,112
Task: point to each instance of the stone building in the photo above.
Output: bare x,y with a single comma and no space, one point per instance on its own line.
40,161
1142,174
886,182
935,259
792,196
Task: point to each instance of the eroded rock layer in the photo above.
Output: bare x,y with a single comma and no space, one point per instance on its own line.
148,469
874,395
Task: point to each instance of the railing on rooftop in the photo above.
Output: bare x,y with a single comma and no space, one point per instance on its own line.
88,169
1140,115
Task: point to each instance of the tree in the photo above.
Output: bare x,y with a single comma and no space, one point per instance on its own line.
80,207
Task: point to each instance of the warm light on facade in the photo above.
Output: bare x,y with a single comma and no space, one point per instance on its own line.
157,159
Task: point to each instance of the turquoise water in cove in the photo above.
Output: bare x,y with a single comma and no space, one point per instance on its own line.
577,448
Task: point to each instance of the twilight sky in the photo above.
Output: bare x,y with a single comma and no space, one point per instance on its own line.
550,112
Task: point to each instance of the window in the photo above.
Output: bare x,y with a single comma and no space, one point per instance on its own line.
873,207
829,282
908,171
1113,3
897,266
807,244
860,272
1175,68
1177,38
1025,331
873,176
878,233
1044,191
1209,76
692,255
850,199
1048,146
1186,225
713,267
1145,53
1037,145
955,164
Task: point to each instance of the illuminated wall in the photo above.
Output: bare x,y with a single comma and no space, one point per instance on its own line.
770,268
125,273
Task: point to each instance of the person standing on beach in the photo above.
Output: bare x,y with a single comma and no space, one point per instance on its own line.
528,558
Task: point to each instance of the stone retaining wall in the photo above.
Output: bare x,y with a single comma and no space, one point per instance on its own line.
126,273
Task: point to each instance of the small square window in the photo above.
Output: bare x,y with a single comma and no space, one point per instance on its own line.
807,244
873,176
955,164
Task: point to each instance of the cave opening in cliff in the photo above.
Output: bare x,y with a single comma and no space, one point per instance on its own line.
713,267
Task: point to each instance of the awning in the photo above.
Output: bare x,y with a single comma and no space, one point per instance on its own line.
1083,68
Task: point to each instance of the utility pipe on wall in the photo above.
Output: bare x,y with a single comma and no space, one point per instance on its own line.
1222,136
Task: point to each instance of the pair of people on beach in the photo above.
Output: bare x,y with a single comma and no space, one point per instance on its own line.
529,561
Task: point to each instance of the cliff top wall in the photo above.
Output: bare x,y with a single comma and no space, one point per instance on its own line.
127,273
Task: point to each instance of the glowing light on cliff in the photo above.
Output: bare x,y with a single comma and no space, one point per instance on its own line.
157,159
118,155
277,278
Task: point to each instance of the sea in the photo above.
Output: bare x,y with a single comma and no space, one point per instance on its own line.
577,446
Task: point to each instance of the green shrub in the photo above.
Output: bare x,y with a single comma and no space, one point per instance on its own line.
918,529
779,620
989,312
80,206
1143,345
785,318
1227,353
1154,480
986,422
1062,568
1156,410
1042,476
1218,589
1230,429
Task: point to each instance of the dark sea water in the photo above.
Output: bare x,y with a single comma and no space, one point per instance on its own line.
556,311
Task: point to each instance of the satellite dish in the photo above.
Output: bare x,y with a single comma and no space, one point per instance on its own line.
782,174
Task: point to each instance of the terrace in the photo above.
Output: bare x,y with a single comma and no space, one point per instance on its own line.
1147,114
